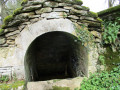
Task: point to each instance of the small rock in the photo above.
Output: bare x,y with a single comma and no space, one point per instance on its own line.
81,12
34,20
2,40
11,42
32,8
69,8
43,10
73,17
12,33
60,10
51,4
96,34
54,15
12,37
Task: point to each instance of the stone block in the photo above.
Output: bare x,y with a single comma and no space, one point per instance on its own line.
50,84
12,33
54,15
50,4
32,8
43,10
60,10
2,40
81,12
73,17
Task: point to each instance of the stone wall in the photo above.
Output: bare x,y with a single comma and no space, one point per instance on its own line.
37,17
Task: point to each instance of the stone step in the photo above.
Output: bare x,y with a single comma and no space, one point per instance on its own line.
55,84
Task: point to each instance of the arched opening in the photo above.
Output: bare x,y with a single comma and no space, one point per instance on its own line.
55,55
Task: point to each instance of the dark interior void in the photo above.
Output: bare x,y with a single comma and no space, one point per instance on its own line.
55,55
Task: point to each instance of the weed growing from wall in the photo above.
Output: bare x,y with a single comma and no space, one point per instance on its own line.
84,35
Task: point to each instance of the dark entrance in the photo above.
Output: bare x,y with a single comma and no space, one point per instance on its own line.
55,55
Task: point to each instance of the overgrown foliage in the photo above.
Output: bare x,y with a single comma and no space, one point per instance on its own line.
11,86
110,32
84,35
4,79
102,81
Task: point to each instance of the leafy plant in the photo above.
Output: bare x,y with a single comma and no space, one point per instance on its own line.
101,59
110,33
11,86
102,81
4,78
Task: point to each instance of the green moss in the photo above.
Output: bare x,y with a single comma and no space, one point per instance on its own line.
1,31
99,19
112,59
17,11
109,10
60,88
7,19
24,2
14,85
93,14
79,2
85,8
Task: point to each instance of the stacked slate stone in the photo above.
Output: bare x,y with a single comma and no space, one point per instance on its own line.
36,10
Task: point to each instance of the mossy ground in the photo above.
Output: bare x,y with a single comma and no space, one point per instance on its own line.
13,85
112,59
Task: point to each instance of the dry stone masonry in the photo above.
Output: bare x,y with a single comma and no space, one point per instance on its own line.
37,17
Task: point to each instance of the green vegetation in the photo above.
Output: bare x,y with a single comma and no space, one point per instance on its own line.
60,88
9,86
93,14
24,2
1,31
110,32
102,81
17,11
85,8
99,19
109,10
4,79
78,2
112,59
84,35
101,59
7,19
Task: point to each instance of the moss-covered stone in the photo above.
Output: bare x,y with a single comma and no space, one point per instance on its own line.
60,88
93,14
112,59
99,19
8,19
109,10
24,2
85,8
1,31
17,11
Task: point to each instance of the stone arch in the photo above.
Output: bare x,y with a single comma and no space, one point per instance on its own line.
55,55
34,30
